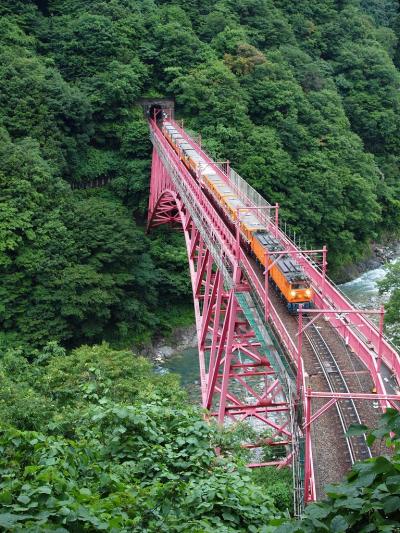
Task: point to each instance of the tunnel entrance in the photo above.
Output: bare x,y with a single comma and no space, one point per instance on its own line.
158,107
155,111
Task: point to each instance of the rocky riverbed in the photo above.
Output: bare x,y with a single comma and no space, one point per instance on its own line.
379,255
178,353
181,339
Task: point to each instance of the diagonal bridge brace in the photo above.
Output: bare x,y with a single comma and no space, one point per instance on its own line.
230,348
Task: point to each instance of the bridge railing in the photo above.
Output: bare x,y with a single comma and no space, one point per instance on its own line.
347,299
340,299
189,191
350,304
361,334
250,196
249,271
219,240
245,192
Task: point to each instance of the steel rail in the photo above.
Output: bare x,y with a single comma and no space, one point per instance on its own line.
330,359
230,258
361,334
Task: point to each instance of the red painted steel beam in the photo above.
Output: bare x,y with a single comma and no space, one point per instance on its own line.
224,334
225,338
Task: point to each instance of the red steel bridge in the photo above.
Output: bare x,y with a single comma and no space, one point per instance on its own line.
257,363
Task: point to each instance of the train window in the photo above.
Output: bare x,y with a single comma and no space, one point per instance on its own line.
299,285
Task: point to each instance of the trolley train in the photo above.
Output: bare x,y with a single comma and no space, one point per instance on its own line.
287,275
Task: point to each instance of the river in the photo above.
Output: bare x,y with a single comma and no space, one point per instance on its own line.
363,291
186,364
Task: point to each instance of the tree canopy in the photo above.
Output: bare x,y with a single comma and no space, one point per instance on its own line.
94,440
303,99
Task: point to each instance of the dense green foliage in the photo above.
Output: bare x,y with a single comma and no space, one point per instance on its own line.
303,98
95,440
391,285
369,500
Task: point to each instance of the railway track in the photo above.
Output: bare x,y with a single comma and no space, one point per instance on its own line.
326,368
332,464
348,414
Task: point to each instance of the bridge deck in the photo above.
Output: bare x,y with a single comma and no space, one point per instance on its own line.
356,369
331,462
328,296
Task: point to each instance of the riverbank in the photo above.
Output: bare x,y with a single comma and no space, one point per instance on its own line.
379,254
180,339
179,354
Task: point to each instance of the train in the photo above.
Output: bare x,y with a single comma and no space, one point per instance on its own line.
286,274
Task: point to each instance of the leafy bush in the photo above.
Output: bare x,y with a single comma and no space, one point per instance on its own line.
117,447
369,500
130,469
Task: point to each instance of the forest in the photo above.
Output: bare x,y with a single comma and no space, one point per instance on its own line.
304,101
303,98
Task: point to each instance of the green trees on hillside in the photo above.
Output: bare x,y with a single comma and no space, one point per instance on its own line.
36,102
74,266
210,86
302,99
359,56
312,105
384,12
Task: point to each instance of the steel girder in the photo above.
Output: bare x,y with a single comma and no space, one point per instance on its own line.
238,381
228,294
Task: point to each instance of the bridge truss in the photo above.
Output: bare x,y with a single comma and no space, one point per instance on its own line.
249,363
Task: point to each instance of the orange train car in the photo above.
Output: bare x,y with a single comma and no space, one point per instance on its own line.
286,273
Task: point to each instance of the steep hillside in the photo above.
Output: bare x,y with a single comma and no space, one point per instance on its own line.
302,97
